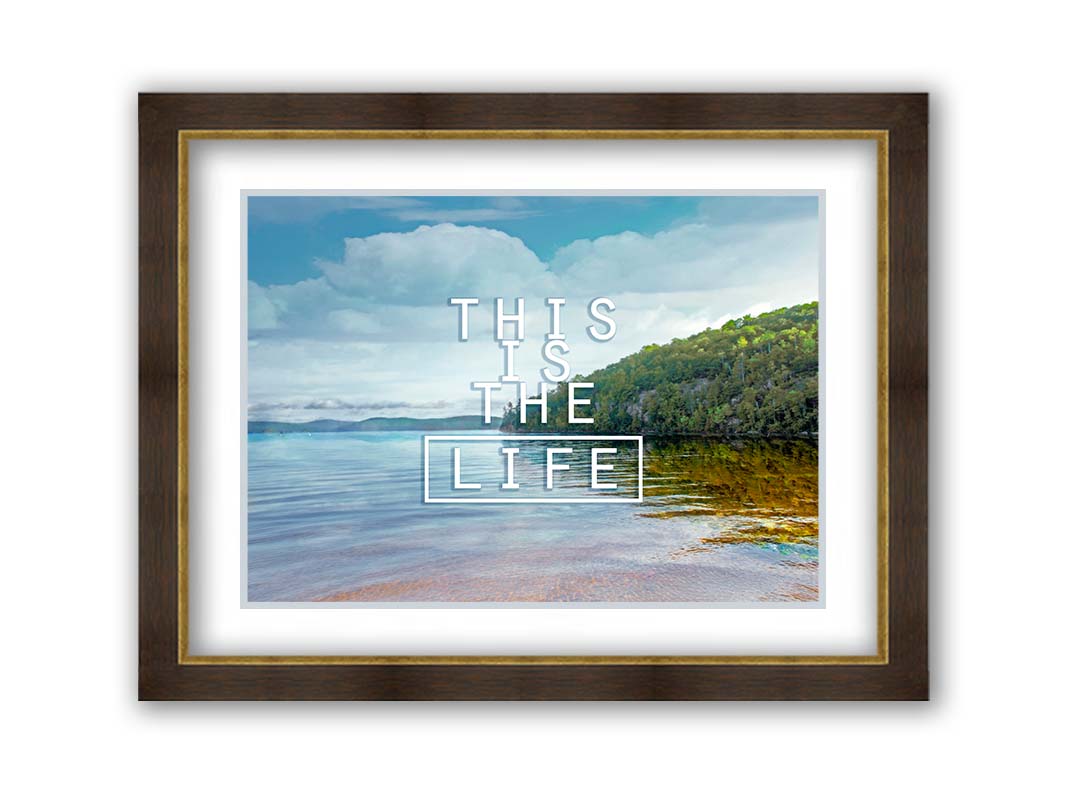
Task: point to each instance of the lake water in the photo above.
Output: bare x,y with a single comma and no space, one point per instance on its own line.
340,517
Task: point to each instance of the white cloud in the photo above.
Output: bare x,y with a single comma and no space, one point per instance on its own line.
377,324
262,313
432,263
697,255
298,209
752,311
506,202
350,321
459,214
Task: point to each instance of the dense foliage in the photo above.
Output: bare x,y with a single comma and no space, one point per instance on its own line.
755,376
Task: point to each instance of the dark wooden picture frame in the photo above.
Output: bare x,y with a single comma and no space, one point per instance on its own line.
897,121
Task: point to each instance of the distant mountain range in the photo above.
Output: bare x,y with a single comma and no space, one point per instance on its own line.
468,422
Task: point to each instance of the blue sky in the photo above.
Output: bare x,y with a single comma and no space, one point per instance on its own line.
348,311
286,235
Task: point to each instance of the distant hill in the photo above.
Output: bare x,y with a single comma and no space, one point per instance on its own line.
754,376
461,423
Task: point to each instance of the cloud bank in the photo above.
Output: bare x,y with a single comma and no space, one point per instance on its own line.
376,323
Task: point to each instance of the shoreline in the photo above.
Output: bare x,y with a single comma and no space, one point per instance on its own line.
802,437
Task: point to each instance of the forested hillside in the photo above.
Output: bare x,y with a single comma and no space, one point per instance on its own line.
755,376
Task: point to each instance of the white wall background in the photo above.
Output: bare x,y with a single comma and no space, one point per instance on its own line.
67,310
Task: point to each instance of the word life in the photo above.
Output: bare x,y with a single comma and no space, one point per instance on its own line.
553,463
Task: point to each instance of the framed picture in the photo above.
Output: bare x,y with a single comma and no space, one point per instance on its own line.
533,396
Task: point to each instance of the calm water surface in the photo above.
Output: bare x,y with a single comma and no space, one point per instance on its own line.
340,517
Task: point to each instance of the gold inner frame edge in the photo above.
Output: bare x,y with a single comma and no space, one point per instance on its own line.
882,514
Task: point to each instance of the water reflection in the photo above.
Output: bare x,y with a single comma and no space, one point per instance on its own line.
769,487
339,517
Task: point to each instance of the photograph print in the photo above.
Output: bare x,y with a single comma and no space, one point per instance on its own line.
532,399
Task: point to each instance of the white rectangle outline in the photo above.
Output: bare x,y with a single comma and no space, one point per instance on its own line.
528,500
